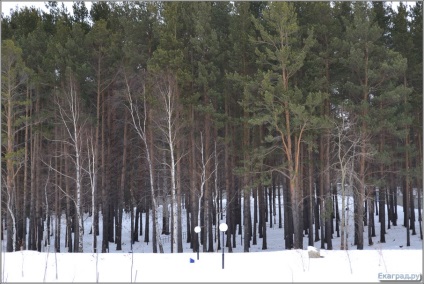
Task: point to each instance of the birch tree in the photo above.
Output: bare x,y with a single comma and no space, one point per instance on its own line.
204,177
370,67
346,151
91,170
169,126
71,118
137,106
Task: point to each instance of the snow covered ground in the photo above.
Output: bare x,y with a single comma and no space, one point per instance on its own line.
276,266
382,261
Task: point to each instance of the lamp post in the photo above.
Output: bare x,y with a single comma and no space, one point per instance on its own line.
197,230
223,228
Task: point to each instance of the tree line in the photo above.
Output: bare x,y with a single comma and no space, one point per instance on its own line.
203,107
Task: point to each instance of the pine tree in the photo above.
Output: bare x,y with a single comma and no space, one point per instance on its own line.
283,107
13,79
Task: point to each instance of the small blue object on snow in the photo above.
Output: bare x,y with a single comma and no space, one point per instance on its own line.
191,260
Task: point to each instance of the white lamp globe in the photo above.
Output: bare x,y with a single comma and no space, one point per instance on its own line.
223,227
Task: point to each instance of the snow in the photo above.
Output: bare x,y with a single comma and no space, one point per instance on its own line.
272,265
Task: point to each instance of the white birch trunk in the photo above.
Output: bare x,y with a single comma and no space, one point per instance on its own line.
71,120
12,215
215,197
155,205
171,141
139,124
75,114
47,203
93,209
92,173
343,244
346,143
202,179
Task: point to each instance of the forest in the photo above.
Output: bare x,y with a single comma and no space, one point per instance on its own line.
201,107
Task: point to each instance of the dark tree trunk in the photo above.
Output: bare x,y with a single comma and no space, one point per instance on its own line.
27,172
365,213
147,224
406,194
47,242
274,207
228,177
317,212
406,212
194,209
18,212
76,231
280,217
372,211
288,218
96,219
118,228
310,199
419,211
412,212
210,224
132,219
239,210
382,215
262,228
376,206
337,210
269,205
322,190
392,201
322,213
357,218
370,203
40,229
235,216
305,202
104,186
261,209
165,217
189,227
255,216
122,188
405,203
246,216
407,191
68,206
58,211
111,228
105,215
9,226
328,194
395,202
140,213
136,222
178,197
389,211
193,215
33,224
